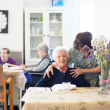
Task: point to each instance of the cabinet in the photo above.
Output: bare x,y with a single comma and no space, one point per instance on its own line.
43,25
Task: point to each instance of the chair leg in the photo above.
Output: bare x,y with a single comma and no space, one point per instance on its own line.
5,107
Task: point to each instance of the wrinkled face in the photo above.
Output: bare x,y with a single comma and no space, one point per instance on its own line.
41,53
4,55
61,58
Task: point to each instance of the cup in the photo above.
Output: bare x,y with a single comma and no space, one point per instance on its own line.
5,66
66,87
41,19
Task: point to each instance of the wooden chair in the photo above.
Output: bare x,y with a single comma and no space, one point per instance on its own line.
4,92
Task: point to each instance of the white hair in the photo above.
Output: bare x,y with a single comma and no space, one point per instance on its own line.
43,46
58,49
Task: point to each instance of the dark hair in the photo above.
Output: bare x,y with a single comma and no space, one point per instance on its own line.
8,51
82,39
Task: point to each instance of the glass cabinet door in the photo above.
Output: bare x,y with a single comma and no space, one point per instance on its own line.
55,30
36,33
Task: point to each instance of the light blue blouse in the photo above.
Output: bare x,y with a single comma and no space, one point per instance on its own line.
87,63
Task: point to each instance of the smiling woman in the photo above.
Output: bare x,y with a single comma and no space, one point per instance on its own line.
62,71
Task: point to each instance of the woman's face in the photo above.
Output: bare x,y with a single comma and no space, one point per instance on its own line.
61,58
41,53
80,49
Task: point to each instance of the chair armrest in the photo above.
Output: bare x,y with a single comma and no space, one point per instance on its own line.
9,80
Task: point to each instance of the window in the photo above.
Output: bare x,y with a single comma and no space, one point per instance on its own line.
87,17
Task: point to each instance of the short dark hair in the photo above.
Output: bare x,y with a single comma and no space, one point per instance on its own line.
8,51
82,38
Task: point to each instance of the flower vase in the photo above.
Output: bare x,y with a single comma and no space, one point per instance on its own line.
104,82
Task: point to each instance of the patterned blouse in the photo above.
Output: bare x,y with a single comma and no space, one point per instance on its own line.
87,63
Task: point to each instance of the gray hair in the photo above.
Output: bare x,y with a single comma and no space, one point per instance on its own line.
58,49
43,46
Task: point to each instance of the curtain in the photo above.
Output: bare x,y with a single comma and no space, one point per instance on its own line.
103,18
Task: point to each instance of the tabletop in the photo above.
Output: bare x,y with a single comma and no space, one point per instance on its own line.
19,79
85,98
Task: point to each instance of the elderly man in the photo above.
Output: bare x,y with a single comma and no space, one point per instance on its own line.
62,71
5,59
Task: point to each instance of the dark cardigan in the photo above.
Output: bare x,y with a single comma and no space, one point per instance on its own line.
60,77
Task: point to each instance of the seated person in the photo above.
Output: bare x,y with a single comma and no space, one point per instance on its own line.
62,71
5,59
43,64
40,67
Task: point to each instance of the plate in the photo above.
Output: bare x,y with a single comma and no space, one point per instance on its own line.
14,68
60,86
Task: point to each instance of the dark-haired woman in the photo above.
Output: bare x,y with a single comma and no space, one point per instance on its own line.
79,56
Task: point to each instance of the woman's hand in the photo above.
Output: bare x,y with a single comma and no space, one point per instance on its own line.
23,67
49,69
76,72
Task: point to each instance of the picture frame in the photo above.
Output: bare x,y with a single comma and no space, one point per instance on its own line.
58,2
3,21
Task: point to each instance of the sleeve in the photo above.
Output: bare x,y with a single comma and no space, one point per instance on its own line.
82,82
43,65
43,82
72,56
31,65
13,62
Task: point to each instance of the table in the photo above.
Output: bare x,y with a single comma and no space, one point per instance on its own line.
85,98
19,79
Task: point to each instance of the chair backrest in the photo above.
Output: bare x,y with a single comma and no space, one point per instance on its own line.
1,75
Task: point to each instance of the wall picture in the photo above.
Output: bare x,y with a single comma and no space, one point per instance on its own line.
3,21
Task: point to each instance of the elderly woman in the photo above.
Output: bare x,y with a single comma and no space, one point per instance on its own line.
43,64
88,67
62,71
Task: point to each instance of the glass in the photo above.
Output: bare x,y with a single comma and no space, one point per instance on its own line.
35,19
31,19
54,18
105,68
66,87
5,66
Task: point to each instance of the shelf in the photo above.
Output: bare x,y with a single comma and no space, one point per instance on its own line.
55,22
36,35
55,35
36,22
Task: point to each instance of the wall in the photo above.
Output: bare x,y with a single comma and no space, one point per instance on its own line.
14,38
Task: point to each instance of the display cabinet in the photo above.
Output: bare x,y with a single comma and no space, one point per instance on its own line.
43,25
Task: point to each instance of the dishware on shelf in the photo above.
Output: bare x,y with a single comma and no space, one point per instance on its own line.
31,19
60,32
41,19
35,19
51,33
54,18
33,30
37,31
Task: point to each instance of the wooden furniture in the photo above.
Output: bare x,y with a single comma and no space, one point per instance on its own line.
81,98
19,79
4,92
43,24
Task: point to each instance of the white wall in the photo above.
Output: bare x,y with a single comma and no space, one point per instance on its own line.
14,38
